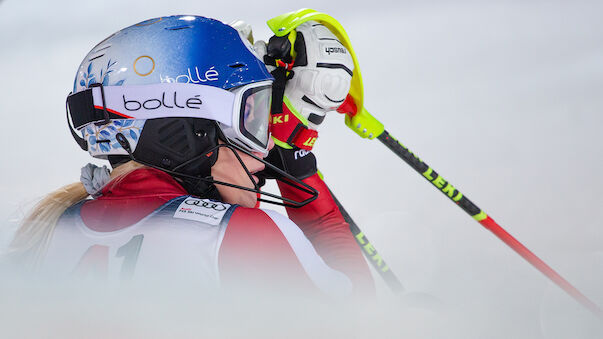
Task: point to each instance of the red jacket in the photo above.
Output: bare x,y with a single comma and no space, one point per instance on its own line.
252,236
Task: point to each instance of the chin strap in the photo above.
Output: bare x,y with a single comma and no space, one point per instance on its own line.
287,178
200,188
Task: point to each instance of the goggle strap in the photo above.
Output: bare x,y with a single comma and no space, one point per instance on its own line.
83,104
98,103
80,141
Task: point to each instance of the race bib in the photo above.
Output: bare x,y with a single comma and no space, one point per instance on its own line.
203,210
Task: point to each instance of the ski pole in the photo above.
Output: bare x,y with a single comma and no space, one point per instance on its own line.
367,126
370,252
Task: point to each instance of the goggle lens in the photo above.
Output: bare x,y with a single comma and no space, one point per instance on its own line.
255,114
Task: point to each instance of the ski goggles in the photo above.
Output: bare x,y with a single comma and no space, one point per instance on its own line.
242,113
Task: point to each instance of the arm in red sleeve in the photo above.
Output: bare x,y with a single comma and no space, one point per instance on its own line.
324,225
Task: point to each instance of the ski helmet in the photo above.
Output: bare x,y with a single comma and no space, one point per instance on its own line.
164,90
153,70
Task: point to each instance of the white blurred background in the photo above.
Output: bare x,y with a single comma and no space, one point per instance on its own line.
502,98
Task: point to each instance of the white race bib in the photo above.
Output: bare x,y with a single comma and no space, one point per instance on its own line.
203,210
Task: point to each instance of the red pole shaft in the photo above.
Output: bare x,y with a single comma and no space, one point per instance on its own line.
476,213
540,265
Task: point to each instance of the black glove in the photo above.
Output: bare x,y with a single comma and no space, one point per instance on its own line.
298,162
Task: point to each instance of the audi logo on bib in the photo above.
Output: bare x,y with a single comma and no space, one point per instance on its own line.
206,204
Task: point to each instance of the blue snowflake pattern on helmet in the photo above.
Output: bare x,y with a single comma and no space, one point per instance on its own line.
101,139
88,77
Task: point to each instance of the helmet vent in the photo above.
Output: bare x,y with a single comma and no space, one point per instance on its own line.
237,65
96,57
98,50
102,48
177,28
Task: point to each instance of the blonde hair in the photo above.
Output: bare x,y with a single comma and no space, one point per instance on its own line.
31,239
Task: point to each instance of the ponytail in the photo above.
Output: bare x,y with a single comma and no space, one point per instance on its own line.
33,235
31,239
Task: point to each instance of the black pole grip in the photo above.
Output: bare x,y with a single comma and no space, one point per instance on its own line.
432,176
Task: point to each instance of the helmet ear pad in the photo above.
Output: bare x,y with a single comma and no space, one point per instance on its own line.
170,142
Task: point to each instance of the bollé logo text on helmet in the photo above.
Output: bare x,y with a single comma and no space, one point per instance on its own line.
193,76
330,50
150,104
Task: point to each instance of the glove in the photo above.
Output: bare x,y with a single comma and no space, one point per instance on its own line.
298,162
313,73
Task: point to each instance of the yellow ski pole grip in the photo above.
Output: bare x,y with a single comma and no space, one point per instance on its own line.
364,124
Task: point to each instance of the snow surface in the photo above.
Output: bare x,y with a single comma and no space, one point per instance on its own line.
503,98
